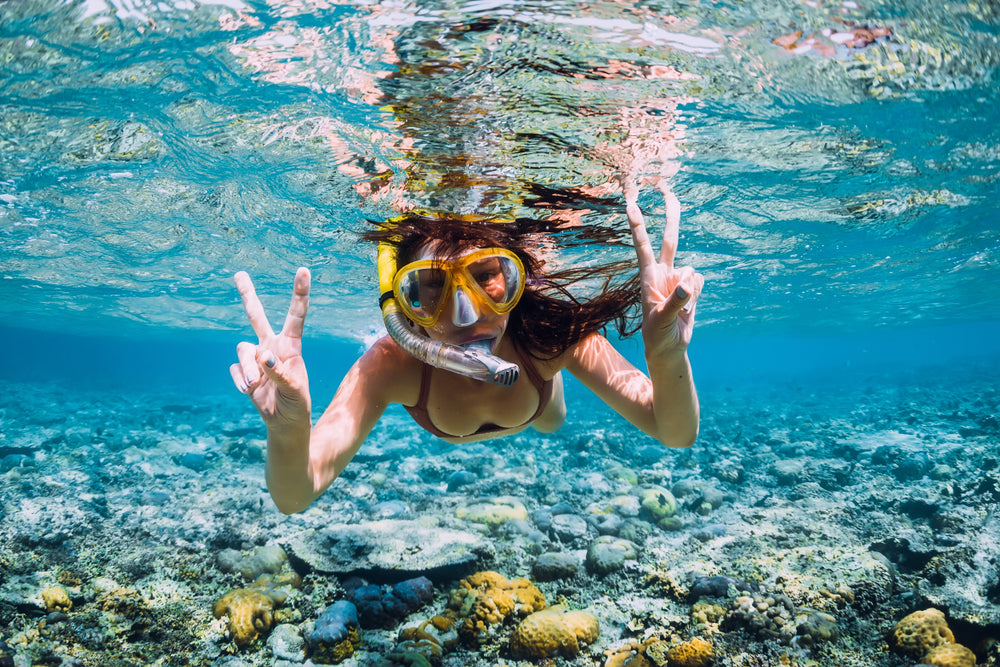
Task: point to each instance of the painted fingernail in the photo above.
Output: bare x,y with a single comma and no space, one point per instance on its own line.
271,361
681,292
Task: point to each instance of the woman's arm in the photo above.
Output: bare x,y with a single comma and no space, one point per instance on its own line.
663,404
302,463
664,407
302,460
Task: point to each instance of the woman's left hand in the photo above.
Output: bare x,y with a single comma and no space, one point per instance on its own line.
669,295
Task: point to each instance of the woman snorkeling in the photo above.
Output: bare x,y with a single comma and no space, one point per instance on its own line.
479,337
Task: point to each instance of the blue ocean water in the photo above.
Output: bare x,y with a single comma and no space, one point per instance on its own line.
838,171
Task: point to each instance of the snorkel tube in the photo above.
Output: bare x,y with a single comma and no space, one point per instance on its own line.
474,361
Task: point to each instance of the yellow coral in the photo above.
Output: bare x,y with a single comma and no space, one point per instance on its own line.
656,650
950,655
583,624
631,655
249,612
429,639
487,598
438,631
340,651
694,653
552,632
56,598
921,631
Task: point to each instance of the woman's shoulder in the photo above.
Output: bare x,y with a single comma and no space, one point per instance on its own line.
398,370
546,364
386,353
592,345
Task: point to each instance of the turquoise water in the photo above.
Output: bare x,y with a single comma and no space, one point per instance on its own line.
839,200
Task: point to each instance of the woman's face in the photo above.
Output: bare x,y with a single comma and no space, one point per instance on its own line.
464,319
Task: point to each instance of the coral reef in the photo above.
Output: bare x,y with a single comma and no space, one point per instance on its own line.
429,639
56,598
608,553
813,627
554,565
719,586
287,643
768,580
950,655
265,560
336,635
494,511
384,607
657,502
925,635
277,586
655,652
486,599
693,653
921,631
554,631
771,616
249,611
651,653
387,546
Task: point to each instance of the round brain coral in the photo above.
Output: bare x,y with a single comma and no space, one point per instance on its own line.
553,632
950,655
921,631
694,653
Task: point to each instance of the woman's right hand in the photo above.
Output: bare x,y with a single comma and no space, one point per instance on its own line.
272,372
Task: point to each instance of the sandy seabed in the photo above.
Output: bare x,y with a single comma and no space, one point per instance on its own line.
858,503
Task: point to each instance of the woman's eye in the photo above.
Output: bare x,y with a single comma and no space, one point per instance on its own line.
485,277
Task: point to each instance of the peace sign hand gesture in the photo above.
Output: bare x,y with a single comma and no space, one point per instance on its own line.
669,295
272,372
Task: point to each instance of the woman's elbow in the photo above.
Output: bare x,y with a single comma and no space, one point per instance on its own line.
289,506
678,440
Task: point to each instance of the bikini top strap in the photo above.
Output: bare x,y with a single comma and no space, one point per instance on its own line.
528,365
425,387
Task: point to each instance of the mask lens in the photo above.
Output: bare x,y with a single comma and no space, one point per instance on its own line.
420,291
499,278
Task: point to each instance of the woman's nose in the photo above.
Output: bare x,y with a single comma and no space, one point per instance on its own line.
463,311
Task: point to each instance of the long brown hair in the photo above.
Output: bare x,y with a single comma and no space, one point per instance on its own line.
550,318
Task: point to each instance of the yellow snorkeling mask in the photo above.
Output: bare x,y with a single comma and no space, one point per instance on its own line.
490,279
420,290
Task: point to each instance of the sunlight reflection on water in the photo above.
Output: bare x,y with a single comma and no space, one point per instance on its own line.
170,144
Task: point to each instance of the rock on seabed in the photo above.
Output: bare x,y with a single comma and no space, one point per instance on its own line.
390,549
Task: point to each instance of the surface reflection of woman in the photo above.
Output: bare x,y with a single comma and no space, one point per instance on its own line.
476,289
